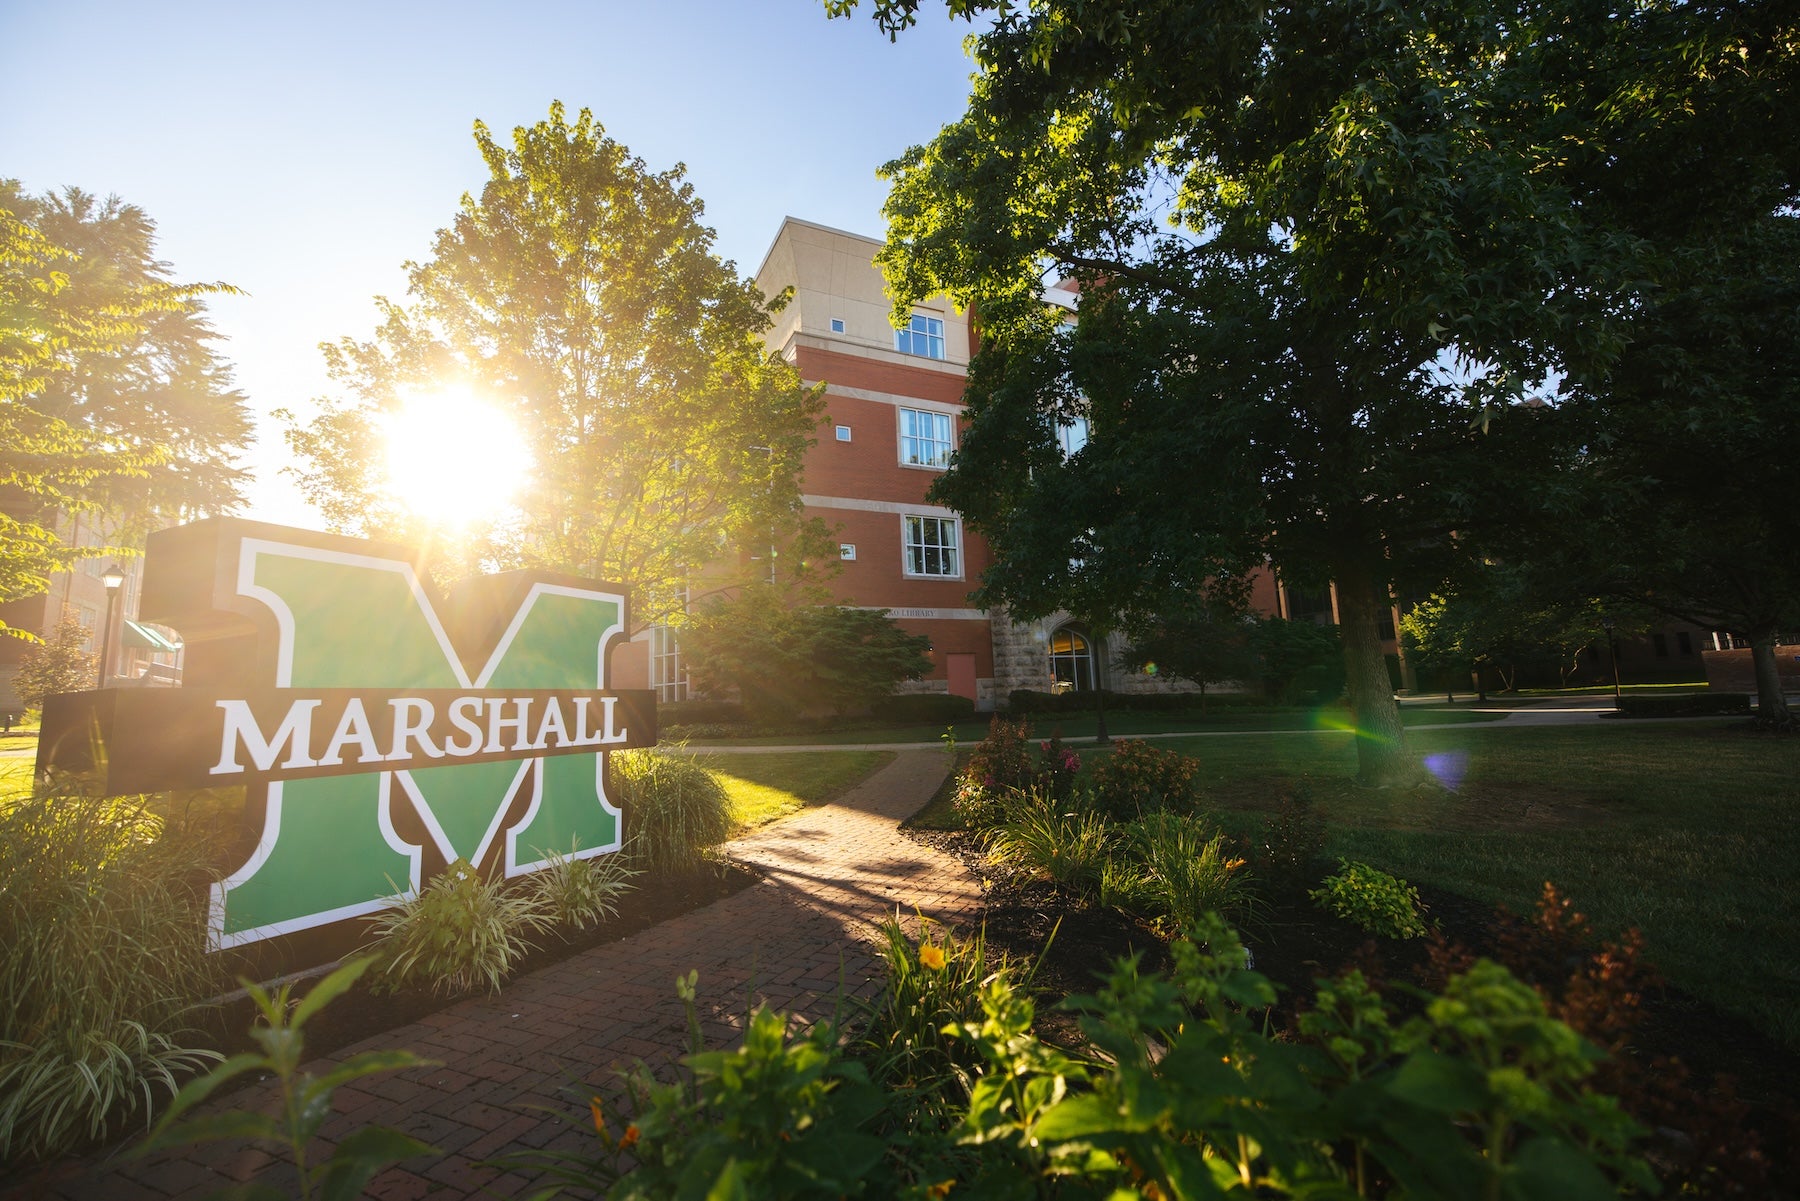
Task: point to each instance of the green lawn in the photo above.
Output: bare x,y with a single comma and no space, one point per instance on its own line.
15,773
1689,831
765,787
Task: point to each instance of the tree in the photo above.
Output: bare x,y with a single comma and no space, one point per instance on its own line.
1188,639
61,663
111,399
580,292
1327,251
785,659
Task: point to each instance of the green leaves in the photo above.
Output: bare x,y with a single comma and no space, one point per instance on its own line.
306,1101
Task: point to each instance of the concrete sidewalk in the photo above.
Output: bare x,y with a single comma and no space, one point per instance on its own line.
517,1068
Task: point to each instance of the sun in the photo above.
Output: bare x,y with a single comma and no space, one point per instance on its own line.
452,458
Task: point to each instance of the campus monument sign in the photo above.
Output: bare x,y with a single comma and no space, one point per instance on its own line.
380,732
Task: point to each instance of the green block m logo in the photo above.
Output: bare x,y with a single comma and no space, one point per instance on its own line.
320,618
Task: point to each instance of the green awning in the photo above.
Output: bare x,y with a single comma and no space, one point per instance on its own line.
145,638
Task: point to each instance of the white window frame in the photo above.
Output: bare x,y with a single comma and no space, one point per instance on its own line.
922,336
1072,435
668,674
847,551
918,548
837,325
842,433
926,450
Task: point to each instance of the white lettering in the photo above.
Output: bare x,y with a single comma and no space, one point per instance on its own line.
412,723
353,727
496,723
606,705
552,724
464,711
240,727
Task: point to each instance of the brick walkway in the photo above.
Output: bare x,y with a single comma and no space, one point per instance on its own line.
517,1068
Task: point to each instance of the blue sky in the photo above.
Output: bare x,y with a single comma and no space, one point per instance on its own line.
304,152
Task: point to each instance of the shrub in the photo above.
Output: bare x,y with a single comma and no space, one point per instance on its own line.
700,712
1002,760
102,958
1138,778
912,707
1070,848
977,804
1189,868
1694,704
674,809
578,893
457,932
1291,841
1060,766
1372,900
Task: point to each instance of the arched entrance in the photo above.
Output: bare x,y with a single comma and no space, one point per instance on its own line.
1071,660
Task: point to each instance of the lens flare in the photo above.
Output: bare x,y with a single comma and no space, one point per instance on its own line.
1448,767
453,458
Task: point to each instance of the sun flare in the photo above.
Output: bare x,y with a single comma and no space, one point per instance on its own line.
453,458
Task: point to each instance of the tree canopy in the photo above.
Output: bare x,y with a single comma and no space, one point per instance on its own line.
1330,257
112,398
581,293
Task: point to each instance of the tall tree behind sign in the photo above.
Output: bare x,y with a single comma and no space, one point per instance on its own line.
580,291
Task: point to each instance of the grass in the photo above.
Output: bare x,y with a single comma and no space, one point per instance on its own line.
1688,831
762,788
15,774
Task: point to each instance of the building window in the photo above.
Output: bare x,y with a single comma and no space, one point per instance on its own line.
1072,435
932,546
668,675
1071,661
843,433
1684,644
924,438
1661,643
923,336
847,551
837,325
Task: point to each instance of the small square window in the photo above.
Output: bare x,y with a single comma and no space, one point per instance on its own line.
837,325
847,551
843,433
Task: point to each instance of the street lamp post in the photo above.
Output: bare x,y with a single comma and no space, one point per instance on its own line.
113,578
1612,650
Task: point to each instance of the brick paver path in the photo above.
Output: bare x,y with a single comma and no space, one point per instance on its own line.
517,1067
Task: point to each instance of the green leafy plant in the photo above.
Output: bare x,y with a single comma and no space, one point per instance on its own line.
305,1100
1372,900
579,893
102,960
1037,836
1138,778
456,933
1002,760
930,984
674,809
1189,867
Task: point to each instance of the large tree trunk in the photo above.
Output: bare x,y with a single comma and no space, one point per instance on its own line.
1771,704
1382,758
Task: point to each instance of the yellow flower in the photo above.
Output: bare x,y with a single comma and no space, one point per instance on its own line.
931,957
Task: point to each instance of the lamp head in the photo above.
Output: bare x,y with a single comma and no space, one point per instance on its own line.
112,577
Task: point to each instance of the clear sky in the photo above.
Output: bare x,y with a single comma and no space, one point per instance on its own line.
304,151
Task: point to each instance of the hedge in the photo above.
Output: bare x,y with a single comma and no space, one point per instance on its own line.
1692,704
